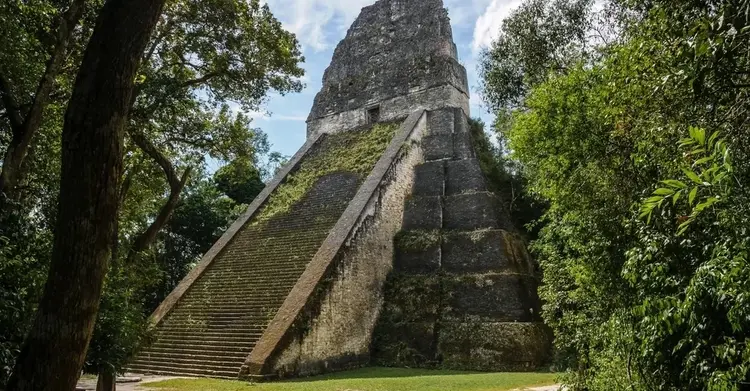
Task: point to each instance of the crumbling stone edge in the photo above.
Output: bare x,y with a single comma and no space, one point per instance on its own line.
168,304
257,363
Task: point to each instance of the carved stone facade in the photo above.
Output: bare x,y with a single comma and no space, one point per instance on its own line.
394,252
398,57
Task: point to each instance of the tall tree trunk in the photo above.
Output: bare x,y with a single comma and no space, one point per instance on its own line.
54,350
24,127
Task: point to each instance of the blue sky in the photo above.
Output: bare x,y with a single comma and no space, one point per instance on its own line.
321,24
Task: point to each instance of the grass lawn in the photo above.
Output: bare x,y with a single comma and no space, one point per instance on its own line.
374,379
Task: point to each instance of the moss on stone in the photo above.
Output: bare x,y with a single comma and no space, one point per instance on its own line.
484,346
411,298
354,151
417,240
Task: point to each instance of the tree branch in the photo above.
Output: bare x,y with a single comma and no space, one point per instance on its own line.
176,184
11,105
150,149
147,238
201,80
23,134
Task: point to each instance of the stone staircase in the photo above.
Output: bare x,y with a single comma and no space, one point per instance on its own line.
462,294
217,322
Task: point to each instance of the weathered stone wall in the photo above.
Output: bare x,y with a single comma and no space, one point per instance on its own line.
395,49
390,109
337,331
462,294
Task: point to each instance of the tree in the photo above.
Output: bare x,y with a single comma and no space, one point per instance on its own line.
182,113
24,118
642,154
55,348
240,180
539,38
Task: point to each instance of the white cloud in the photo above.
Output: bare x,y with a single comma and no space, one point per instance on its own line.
488,24
317,22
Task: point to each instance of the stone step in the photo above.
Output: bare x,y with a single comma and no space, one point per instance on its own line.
279,269
247,307
223,344
223,307
218,334
200,350
184,370
211,362
206,356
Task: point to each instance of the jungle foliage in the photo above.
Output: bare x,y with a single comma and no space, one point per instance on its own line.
206,62
630,122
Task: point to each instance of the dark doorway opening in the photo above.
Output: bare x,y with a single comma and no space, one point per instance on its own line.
373,115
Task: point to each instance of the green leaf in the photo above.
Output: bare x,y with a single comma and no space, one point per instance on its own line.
691,196
693,176
705,204
712,139
676,197
663,192
675,184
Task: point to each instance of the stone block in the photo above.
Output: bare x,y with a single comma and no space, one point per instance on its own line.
429,179
472,211
495,346
417,252
437,147
485,251
404,344
440,121
464,176
461,122
411,298
492,297
423,213
462,146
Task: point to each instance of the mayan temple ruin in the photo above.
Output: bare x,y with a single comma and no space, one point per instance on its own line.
377,244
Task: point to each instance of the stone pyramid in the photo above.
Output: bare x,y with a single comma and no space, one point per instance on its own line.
378,243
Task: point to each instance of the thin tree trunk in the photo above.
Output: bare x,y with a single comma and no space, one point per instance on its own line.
106,381
25,127
55,348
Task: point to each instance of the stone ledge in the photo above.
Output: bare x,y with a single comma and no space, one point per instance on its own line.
464,176
473,211
411,298
491,297
496,346
489,250
438,147
417,252
424,213
429,179
410,344
440,121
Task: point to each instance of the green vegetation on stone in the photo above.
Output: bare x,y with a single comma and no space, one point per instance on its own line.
374,379
357,153
417,239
